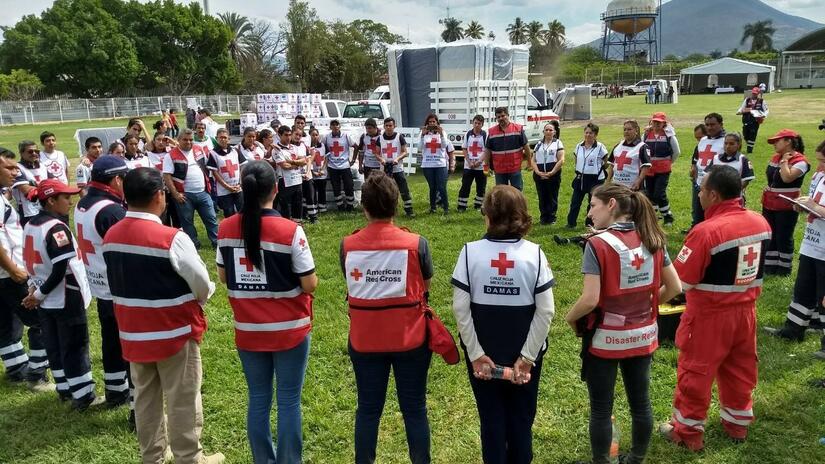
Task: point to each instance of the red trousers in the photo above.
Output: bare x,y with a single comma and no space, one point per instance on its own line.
717,343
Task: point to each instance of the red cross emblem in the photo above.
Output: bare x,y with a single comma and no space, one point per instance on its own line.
750,257
389,151
336,148
817,198
637,262
30,255
229,168
502,263
621,160
373,147
302,243
706,155
356,274
474,149
433,145
85,246
243,261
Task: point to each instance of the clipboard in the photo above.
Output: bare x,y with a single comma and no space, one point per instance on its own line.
809,210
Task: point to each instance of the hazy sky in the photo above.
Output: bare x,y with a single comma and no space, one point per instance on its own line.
418,19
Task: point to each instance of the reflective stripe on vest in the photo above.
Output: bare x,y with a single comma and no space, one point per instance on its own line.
776,186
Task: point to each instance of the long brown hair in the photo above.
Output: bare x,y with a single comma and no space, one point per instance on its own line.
635,204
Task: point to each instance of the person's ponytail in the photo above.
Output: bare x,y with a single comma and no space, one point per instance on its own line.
257,182
644,216
798,144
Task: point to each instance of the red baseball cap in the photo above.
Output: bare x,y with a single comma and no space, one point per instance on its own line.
756,90
51,187
783,134
660,116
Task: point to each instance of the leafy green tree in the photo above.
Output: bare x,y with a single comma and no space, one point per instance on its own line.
304,33
75,47
474,30
761,35
374,39
517,32
19,85
241,40
535,32
555,35
452,29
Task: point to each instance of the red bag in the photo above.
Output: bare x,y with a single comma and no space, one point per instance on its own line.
439,339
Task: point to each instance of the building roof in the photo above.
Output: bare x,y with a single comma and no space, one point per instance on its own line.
728,65
812,41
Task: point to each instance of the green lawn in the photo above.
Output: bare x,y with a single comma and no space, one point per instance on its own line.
790,415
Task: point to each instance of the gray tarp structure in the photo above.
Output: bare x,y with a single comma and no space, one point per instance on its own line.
726,72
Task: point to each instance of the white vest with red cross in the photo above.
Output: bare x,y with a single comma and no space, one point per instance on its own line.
391,150
90,248
371,147
707,149
626,163
474,149
228,166
813,241
434,149
338,150
628,300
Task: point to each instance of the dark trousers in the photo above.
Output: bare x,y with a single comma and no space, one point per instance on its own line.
437,181
656,191
115,368
696,206
548,193
467,179
806,306
289,200
368,170
506,412
170,216
779,255
372,372
66,338
749,131
309,202
600,375
13,318
337,177
401,180
320,190
583,185
231,203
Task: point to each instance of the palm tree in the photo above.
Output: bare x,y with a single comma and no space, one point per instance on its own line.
762,34
555,34
517,32
452,29
491,36
474,30
241,29
535,31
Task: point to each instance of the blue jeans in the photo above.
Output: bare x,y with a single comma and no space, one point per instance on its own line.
372,372
513,178
437,180
288,368
202,202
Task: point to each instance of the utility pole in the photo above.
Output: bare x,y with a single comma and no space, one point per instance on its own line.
206,7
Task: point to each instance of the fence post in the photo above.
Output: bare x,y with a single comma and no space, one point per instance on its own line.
1,115
31,110
238,97
137,107
88,113
220,104
113,109
180,105
60,109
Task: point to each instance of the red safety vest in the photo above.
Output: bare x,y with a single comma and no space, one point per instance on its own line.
506,153
628,300
271,310
156,311
181,166
776,186
385,289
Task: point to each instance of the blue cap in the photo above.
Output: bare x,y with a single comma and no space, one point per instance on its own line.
108,166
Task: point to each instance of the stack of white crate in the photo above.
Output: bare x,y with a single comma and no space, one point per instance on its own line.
287,106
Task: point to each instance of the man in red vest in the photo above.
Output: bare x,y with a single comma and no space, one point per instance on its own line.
721,266
159,285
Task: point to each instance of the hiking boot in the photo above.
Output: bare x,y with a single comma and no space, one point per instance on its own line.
217,458
84,405
114,402
668,220
41,386
560,240
785,333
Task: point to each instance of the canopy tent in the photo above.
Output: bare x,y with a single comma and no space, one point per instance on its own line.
726,72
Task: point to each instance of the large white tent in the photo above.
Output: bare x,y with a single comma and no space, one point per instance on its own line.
726,72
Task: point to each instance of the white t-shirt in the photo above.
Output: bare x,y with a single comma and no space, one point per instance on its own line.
194,182
56,165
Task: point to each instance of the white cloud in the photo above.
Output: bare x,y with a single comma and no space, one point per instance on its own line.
584,33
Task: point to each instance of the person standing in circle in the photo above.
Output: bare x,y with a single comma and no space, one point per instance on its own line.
590,156
733,157
387,271
660,139
708,146
629,161
392,151
436,156
267,266
503,305
785,172
318,167
627,272
506,148
754,110
368,146
547,160
474,166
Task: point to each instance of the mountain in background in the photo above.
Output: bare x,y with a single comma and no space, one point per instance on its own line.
702,26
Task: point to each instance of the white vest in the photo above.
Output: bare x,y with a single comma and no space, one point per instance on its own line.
84,221
391,150
291,177
83,173
338,150
503,273
370,160
737,162
626,164
706,146
474,149
813,241
229,168
256,153
11,234
139,162
547,153
156,160
433,151
41,267
33,176
56,165
317,155
590,160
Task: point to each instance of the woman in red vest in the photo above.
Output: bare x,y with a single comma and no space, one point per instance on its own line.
626,273
267,266
388,271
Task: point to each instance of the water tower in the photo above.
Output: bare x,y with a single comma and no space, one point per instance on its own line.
632,30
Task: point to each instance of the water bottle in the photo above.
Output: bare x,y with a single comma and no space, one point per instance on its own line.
502,372
614,442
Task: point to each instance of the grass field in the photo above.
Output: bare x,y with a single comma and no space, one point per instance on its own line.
790,414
